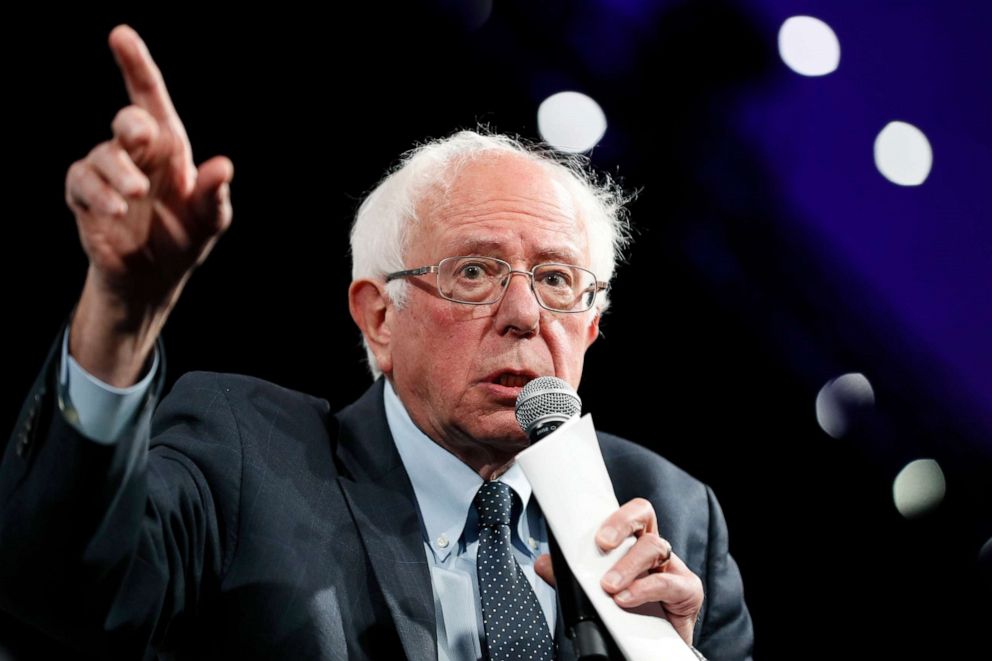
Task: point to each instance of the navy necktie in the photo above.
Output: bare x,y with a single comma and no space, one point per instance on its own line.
515,624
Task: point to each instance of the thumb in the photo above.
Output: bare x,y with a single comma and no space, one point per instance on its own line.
211,197
544,569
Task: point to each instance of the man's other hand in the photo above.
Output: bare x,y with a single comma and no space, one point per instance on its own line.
649,571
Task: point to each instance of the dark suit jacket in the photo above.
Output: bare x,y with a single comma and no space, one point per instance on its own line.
260,524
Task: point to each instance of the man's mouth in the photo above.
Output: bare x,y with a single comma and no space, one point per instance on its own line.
512,380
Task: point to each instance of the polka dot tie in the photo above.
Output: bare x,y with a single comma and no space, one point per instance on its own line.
515,624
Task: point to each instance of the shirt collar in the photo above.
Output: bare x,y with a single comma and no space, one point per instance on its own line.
443,484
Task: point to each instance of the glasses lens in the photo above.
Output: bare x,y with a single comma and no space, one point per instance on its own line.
565,287
471,279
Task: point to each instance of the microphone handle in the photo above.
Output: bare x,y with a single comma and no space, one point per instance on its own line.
582,623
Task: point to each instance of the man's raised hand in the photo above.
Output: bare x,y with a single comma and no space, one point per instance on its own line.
147,216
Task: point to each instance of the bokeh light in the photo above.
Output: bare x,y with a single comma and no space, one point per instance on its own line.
571,122
918,488
903,154
471,14
808,46
841,400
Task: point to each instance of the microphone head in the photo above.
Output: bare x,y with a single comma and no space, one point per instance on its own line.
546,399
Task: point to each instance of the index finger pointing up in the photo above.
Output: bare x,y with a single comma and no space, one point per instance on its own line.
144,81
146,88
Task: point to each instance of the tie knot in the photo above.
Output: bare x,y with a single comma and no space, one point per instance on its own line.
494,502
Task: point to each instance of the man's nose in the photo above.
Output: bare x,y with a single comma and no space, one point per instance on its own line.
518,311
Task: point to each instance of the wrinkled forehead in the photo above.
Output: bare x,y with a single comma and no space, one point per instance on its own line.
496,198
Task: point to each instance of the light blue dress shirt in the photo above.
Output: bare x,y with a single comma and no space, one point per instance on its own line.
443,485
101,412
445,488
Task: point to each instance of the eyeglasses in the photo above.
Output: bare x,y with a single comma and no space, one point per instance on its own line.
478,280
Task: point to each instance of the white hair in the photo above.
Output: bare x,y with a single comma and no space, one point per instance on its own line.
384,221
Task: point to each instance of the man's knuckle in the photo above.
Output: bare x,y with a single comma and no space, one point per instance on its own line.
103,153
641,503
636,590
121,117
130,113
73,173
658,545
75,200
82,182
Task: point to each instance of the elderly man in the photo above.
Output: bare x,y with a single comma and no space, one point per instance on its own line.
239,518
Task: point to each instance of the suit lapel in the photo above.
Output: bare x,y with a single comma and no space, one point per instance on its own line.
384,507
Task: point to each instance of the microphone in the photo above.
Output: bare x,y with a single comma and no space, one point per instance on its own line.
543,405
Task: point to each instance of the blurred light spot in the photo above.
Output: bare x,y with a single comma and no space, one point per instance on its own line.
985,561
841,400
808,46
571,121
903,154
471,14
918,488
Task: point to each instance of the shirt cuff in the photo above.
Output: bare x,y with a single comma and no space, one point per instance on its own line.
98,410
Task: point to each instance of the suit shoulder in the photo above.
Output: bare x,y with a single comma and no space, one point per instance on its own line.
637,472
635,459
245,391
247,407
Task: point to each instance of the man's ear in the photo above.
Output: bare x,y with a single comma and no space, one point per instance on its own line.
369,304
592,332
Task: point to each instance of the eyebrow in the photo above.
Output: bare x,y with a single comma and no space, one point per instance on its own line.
493,248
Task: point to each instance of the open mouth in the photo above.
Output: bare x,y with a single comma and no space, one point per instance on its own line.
511,378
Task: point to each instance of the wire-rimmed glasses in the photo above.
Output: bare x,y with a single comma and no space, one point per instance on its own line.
477,280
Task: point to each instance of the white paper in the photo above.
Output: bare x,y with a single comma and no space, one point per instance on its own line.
570,481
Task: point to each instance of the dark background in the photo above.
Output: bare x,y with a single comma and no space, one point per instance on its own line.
770,255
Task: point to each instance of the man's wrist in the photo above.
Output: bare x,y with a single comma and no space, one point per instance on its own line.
98,410
108,341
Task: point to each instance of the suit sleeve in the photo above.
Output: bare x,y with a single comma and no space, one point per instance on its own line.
726,631
111,548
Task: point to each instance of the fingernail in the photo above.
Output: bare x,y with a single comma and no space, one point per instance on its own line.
612,579
623,596
608,535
